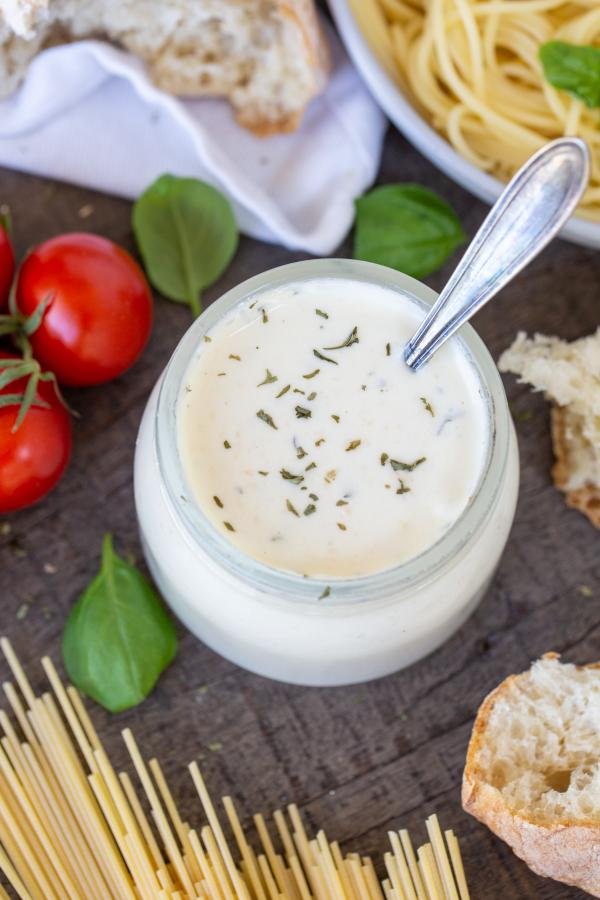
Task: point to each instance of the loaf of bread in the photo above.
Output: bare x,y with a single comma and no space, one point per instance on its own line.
569,374
268,57
532,773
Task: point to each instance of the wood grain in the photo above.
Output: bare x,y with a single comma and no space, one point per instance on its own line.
357,760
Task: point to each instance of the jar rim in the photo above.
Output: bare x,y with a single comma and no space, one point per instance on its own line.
403,578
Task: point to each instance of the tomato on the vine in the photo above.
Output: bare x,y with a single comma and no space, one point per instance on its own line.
34,456
99,307
7,266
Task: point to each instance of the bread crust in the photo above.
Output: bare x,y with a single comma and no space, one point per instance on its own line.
587,498
566,851
174,64
303,15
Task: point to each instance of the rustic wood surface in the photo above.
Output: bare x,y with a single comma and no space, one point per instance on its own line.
357,760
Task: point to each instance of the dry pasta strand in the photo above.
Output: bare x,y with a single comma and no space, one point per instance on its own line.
71,828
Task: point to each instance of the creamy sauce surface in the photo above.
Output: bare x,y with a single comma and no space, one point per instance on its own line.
312,447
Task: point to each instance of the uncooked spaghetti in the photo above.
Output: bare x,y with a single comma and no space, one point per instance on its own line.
472,69
71,827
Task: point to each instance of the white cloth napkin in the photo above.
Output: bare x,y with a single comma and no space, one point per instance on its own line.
87,113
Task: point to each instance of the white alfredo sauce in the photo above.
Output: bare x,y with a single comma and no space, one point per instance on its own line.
334,467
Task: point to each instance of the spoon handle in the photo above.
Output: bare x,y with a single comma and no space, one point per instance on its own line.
530,211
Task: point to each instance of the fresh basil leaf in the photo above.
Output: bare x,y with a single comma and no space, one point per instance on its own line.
573,68
118,637
187,236
406,227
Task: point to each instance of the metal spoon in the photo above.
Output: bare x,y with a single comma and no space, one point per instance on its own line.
530,211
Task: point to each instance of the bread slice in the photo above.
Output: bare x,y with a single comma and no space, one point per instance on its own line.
569,374
532,773
268,57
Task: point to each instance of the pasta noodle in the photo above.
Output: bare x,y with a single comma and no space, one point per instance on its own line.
72,829
471,68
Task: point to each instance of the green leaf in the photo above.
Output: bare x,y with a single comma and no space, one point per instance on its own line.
573,68
187,236
118,637
406,227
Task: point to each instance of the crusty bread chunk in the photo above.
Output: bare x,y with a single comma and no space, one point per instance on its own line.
532,773
268,57
569,374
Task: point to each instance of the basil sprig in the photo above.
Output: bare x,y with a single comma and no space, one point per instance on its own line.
118,638
187,236
573,68
406,227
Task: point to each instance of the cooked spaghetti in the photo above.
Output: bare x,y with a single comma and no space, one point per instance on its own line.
71,827
472,69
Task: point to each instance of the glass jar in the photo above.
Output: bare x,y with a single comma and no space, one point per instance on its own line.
271,622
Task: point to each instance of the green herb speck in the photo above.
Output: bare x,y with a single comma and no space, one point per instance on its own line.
269,379
265,317
312,374
325,593
262,472
228,526
302,412
227,445
289,476
301,453
310,466
283,391
427,406
207,339
353,445
351,339
398,466
312,395
383,458
218,502
292,508
235,356
335,418
342,503
388,349
309,510
341,526
328,359
402,488
323,315
313,497
265,417
319,442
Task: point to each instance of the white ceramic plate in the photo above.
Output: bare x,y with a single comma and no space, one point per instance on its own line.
429,142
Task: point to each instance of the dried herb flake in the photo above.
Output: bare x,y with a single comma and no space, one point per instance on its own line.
289,476
351,339
269,379
398,466
427,406
328,359
265,417
292,508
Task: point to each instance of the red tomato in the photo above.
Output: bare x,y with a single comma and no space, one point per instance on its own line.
33,458
7,267
100,307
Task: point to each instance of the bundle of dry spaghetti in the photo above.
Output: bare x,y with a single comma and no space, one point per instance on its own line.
71,827
472,69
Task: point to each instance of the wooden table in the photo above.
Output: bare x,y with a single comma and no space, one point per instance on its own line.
357,760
